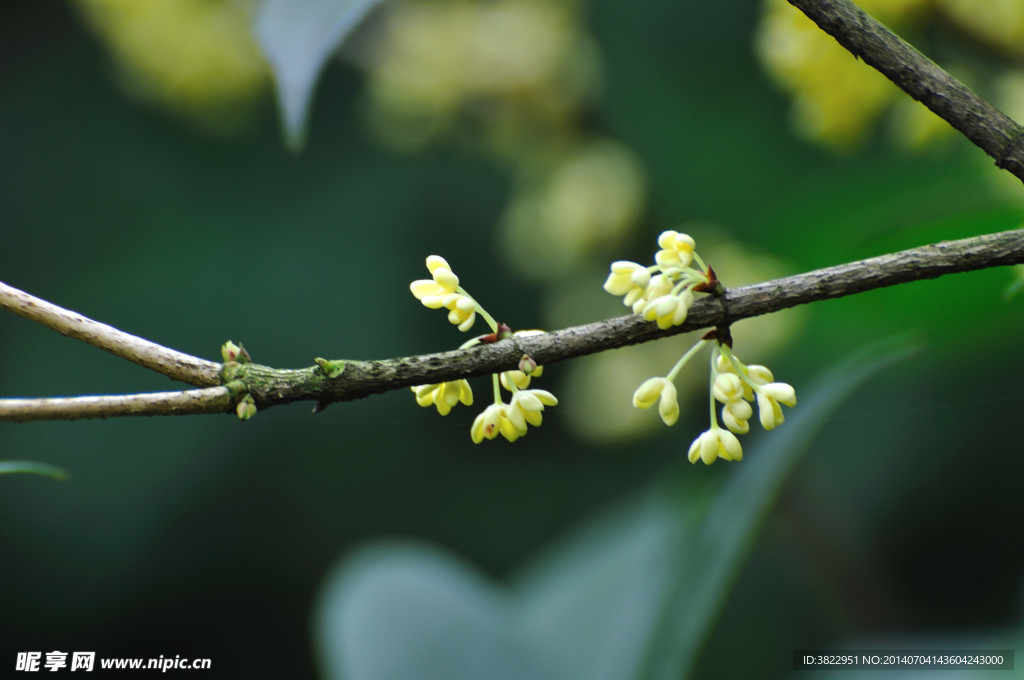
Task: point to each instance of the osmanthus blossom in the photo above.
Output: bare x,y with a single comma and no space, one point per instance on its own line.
497,419
728,389
663,293
444,395
676,250
443,290
715,443
510,420
660,390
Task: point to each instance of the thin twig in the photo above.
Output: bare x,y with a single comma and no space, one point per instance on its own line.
176,365
985,125
188,402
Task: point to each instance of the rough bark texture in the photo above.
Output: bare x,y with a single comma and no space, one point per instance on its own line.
988,127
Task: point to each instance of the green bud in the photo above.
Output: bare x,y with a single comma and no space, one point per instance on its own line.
229,351
246,408
331,369
527,365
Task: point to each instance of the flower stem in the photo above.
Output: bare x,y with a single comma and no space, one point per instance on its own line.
497,389
712,406
740,369
480,310
700,261
686,357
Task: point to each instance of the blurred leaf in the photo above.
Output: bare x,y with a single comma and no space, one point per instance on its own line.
8,467
595,599
633,594
718,551
1017,285
297,37
403,611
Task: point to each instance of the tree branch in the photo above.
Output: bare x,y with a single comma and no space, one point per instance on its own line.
188,402
176,365
986,126
270,386
363,378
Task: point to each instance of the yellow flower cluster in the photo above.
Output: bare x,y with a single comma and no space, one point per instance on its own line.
662,292
195,57
443,291
733,384
526,405
444,395
511,420
524,59
997,22
836,98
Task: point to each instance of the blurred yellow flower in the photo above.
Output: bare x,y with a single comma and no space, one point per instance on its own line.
194,57
836,97
581,205
522,56
999,22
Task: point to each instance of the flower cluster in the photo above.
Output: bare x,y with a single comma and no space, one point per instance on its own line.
443,290
662,292
511,420
196,59
525,407
734,385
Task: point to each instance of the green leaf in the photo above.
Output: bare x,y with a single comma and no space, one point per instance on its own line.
297,37
719,549
9,467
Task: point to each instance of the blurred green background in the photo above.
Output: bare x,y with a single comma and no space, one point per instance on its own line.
208,537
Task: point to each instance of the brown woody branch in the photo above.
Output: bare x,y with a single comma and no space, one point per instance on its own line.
362,378
270,386
187,402
985,125
172,363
